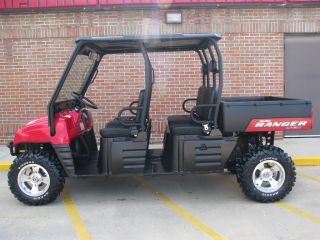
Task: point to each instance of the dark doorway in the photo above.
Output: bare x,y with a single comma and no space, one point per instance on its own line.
302,74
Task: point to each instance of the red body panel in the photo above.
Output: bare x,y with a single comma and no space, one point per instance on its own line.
279,124
68,125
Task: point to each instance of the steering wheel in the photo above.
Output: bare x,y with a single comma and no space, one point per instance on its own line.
84,100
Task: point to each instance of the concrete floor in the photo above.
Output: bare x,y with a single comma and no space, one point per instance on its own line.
300,146
5,154
122,208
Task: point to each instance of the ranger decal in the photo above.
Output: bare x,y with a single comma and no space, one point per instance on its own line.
279,124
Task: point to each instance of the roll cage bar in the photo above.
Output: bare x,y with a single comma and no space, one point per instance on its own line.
200,43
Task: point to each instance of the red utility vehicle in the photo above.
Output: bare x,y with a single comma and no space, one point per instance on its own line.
217,133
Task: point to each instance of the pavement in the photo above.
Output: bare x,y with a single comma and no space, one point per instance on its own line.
207,206
174,207
5,154
300,146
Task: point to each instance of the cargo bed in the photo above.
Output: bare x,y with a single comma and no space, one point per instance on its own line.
236,113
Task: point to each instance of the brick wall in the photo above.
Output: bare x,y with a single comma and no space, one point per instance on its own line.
34,49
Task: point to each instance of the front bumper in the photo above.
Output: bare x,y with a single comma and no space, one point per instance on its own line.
11,147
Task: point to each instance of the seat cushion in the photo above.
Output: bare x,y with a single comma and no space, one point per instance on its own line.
116,123
178,119
186,129
114,131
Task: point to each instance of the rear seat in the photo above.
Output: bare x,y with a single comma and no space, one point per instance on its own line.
178,119
204,113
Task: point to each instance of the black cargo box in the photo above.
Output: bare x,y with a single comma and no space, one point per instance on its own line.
237,112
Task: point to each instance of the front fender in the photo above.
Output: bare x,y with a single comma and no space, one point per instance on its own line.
68,125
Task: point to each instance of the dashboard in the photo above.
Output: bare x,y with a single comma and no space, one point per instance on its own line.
65,105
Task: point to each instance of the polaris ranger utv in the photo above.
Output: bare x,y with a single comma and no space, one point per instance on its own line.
217,133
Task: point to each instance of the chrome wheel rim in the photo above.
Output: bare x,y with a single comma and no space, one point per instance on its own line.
33,180
268,176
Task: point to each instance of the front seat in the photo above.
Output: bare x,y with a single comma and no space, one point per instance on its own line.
126,126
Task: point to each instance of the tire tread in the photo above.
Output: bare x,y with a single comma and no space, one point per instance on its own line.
244,175
45,159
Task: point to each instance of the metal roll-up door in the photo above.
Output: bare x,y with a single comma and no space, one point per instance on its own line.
302,75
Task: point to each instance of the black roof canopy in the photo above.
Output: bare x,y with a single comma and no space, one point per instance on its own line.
152,43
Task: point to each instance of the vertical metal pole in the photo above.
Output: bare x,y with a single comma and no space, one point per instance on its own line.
213,61
220,67
202,68
207,63
148,86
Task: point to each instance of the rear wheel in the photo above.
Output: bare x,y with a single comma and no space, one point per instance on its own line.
36,178
267,175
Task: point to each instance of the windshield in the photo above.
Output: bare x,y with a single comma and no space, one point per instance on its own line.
77,77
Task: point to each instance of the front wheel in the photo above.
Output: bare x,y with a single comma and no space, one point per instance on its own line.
36,178
267,175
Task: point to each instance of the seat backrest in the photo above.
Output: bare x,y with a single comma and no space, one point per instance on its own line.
140,104
200,99
144,116
212,98
206,113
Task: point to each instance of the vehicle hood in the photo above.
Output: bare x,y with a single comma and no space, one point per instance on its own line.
39,122
33,131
